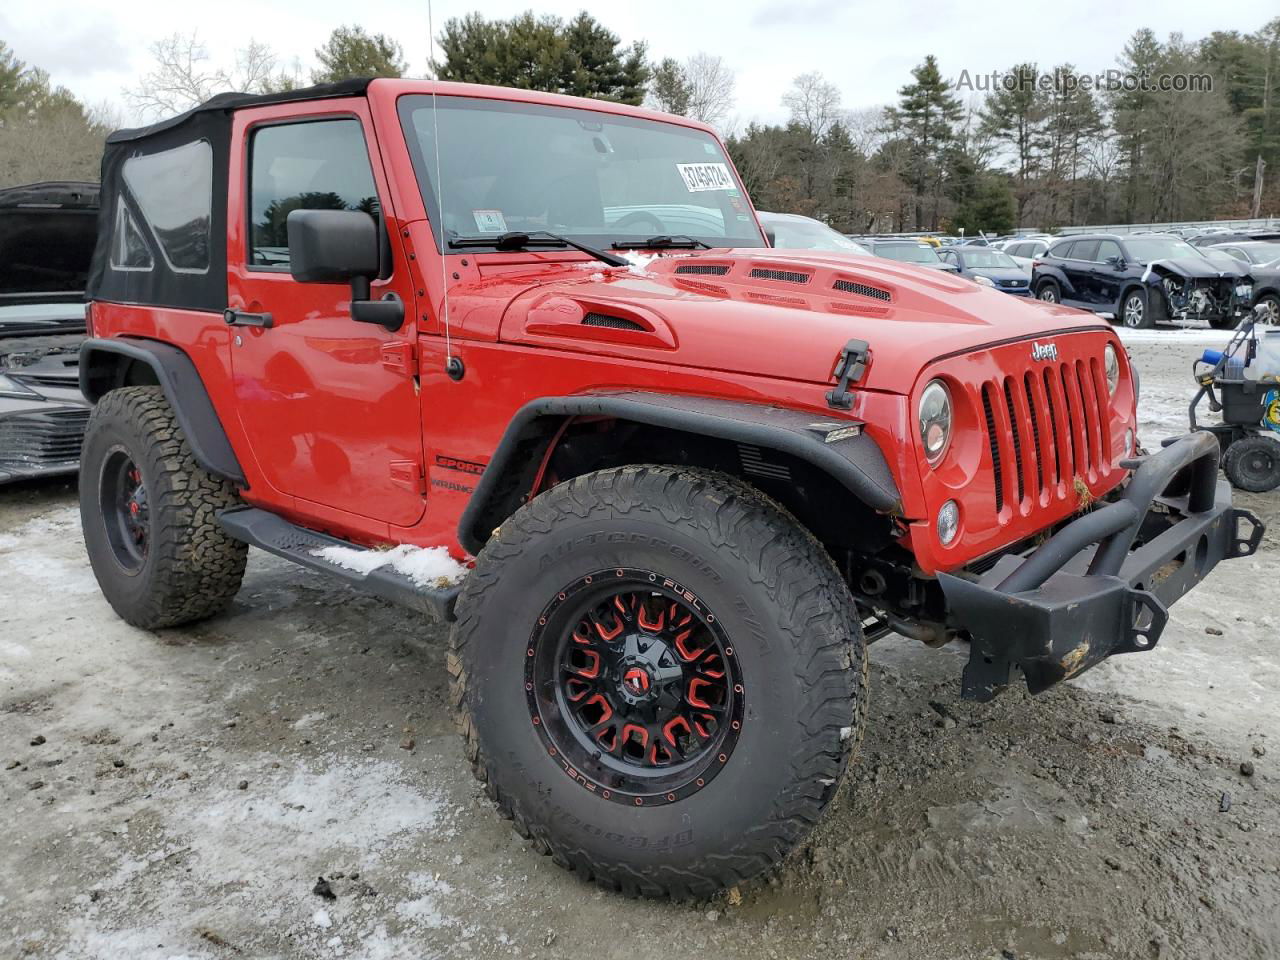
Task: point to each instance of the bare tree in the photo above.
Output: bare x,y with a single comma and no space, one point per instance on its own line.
184,75
710,86
865,127
814,104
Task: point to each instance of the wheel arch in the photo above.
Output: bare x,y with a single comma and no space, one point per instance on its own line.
700,432
107,364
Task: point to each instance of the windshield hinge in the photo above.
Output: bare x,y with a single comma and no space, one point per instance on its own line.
849,369
398,355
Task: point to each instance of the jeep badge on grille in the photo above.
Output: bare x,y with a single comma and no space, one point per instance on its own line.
1044,351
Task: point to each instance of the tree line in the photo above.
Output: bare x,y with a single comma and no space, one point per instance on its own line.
1038,148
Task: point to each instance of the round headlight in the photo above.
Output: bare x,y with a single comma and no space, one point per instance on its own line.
935,420
982,281
948,522
1111,363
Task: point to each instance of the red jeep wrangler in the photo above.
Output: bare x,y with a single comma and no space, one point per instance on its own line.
689,476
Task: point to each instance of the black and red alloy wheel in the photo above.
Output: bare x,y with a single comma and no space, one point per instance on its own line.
633,687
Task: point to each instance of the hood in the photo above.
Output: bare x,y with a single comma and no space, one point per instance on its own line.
1195,268
47,235
769,313
1001,273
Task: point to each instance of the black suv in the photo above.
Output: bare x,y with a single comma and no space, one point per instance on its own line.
1142,279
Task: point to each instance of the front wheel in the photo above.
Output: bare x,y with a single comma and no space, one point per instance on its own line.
1270,304
1049,292
1134,313
660,676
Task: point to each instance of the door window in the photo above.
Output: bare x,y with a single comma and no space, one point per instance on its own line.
1106,250
317,165
1084,250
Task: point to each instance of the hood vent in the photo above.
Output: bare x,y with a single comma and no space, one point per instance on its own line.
703,269
786,276
850,286
604,320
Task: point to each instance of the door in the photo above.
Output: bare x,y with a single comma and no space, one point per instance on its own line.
1107,276
330,405
1078,270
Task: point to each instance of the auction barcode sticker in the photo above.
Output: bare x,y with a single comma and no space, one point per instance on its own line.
706,176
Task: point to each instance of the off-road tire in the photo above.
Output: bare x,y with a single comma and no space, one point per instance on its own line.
1049,292
801,651
1253,463
191,568
1135,310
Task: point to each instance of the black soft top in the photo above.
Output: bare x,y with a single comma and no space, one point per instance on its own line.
162,226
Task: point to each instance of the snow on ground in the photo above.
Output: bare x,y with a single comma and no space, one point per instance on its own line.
425,566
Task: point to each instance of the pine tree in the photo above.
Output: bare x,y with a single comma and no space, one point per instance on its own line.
924,118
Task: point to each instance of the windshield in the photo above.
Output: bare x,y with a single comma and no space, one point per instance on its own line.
596,177
988,260
910,252
796,233
1146,249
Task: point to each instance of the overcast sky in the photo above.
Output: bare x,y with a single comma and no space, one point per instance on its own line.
866,49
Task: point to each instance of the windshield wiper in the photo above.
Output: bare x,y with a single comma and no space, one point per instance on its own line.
520,240
664,242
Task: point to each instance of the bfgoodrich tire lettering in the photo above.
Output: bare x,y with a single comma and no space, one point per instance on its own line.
798,645
174,564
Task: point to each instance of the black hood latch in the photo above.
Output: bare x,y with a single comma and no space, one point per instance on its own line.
849,369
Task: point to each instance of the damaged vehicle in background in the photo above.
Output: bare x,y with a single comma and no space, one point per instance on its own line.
1142,280
47,233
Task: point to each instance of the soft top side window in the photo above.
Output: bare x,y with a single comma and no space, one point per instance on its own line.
303,165
174,193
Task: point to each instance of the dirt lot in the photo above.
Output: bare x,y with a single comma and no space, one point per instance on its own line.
179,794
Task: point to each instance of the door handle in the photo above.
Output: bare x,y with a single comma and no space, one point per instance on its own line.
240,318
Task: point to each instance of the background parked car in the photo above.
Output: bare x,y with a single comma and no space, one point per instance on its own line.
1251,251
908,251
791,231
1023,250
1142,279
47,233
989,267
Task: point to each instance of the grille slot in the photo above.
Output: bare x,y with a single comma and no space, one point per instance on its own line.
753,462
1035,430
851,286
1054,435
786,276
605,320
42,440
1017,438
703,269
994,439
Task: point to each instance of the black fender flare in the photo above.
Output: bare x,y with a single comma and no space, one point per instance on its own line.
101,370
851,457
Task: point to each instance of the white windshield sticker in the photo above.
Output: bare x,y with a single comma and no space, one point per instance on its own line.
706,176
490,221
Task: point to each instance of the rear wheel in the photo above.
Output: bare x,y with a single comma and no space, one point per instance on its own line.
1253,463
660,676
1133,310
149,513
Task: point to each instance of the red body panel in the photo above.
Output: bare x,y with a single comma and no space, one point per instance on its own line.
328,431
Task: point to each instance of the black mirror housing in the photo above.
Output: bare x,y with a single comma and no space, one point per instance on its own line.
332,246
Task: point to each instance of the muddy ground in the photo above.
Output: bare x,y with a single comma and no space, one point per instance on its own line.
178,794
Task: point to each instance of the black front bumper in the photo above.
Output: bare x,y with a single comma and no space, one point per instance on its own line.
1103,583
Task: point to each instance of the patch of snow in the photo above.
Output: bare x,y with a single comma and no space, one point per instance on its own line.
597,276
425,566
1182,334
322,919
846,733
639,262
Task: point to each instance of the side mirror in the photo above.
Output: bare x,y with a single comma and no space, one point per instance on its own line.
1117,262
342,246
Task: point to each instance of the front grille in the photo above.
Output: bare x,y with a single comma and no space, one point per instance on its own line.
1013,283
604,320
862,289
43,440
786,276
1062,413
705,269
